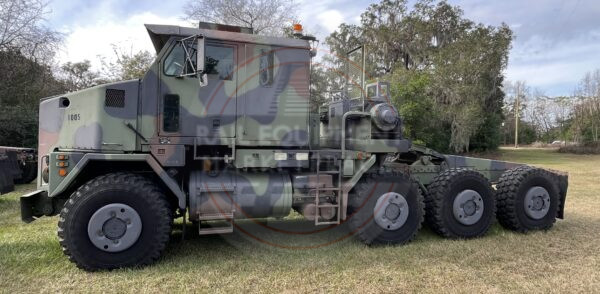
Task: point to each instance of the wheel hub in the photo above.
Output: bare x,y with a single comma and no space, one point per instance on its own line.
114,227
390,211
468,207
537,202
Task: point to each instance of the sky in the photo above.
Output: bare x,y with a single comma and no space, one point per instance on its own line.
556,41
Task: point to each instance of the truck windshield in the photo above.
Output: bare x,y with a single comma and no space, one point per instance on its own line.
174,62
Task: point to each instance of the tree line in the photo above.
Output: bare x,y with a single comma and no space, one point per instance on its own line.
30,71
564,120
446,71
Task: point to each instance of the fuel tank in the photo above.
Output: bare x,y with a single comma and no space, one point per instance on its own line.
242,194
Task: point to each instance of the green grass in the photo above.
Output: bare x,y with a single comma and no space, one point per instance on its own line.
564,259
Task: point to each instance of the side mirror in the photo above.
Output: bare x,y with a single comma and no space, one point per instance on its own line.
200,55
203,77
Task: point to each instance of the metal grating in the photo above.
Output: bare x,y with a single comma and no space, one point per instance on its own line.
114,98
355,73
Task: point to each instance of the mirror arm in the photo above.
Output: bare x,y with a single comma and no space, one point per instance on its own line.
202,79
202,76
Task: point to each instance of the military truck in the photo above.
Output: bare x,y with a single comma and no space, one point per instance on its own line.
17,166
222,127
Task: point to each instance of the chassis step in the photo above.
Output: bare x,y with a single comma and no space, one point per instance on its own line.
215,216
215,230
221,229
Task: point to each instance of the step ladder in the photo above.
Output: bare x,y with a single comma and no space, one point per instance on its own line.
337,189
226,229
225,213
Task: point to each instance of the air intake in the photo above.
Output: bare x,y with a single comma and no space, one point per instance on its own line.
114,98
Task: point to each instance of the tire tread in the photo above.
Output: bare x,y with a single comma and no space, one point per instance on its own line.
157,203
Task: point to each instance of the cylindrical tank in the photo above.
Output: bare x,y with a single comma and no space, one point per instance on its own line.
245,194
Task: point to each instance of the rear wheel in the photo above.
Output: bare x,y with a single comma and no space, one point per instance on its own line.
113,221
387,208
527,199
460,204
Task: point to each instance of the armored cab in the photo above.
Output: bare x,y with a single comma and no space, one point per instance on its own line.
222,127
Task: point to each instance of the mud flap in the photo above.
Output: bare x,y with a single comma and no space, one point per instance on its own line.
562,180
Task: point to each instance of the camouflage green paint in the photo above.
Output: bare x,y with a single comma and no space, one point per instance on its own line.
81,163
491,169
82,122
256,103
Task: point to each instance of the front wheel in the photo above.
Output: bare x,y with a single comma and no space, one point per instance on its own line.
113,221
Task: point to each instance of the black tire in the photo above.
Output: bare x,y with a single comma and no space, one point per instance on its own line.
133,190
439,204
362,201
510,194
28,173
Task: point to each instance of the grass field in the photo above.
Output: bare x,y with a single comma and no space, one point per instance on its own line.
564,259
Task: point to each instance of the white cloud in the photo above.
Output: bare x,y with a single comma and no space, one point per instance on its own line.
330,19
556,41
96,39
555,66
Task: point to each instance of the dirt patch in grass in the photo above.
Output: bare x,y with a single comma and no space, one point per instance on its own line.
564,259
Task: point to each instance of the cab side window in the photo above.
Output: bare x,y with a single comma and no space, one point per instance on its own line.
371,91
171,113
219,61
266,67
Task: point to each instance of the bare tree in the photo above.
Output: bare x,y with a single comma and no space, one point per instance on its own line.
588,108
22,28
78,75
265,17
127,64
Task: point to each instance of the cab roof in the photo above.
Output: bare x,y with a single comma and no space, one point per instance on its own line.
160,35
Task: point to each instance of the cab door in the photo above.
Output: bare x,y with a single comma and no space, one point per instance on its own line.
189,110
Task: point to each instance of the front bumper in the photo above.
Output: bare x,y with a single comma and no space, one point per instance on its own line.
37,204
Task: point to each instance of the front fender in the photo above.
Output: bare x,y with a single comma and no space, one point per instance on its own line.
151,161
